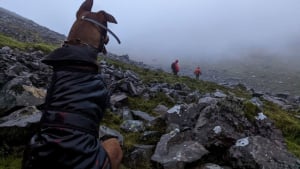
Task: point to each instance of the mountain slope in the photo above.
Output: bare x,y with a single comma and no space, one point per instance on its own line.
159,88
25,30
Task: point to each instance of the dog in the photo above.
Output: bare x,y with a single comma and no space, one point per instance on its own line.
76,100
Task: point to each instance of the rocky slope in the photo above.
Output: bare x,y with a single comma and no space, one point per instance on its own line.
25,30
195,130
188,129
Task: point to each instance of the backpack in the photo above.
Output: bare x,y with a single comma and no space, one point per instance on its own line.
173,66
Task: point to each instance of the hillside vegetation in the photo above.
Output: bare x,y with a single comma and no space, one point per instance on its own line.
13,43
284,120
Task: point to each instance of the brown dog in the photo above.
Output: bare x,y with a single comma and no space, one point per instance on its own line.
75,103
83,32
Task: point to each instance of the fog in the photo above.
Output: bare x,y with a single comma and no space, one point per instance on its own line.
159,31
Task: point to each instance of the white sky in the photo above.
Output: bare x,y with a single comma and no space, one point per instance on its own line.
162,30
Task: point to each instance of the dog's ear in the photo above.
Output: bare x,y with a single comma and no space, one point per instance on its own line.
86,6
108,17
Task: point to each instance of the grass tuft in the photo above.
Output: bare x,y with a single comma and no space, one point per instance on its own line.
12,43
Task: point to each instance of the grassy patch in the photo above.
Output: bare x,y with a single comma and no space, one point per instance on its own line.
293,147
250,110
137,103
287,123
111,120
130,139
11,162
12,43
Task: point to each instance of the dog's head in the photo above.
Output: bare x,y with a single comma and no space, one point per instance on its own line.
89,27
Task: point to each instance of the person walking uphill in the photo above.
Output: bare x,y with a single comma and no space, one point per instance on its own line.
197,72
175,67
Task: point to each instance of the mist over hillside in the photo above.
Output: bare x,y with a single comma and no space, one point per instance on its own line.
274,68
260,69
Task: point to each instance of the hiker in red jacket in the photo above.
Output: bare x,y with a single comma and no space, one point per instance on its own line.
175,67
197,72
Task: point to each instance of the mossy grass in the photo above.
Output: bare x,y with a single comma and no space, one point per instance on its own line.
10,162
24,46
137,103
287,123
250,110
10,158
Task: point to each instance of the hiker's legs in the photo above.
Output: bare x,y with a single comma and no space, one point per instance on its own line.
114,151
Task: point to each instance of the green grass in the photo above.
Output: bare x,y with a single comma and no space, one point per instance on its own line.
250,110
288,124
283,120
137,103
12,43
10,162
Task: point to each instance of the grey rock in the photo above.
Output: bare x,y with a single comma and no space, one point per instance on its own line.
118,99
133,126
261,152
126,114
104,130
219,94
175,151
21,118
211,166
140,156
142,115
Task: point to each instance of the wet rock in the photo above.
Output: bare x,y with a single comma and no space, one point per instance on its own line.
161,110
19,126
133,126
118,99
126,114
256,101
283,95
176,149
142,115
18,95
140,157
211,166
22,117
260,152
219,94
150,136
106,131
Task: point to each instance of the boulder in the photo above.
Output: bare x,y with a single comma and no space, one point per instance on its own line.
175,149
19,126
259,152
